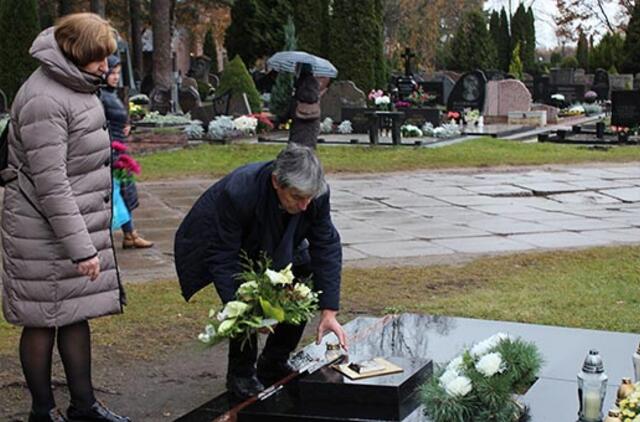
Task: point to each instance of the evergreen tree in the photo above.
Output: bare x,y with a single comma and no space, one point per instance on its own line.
256,28
582,51
494,30
380,63
515,67
283,87
632,43
569,62
608,53
555,59
236,78
356,25
529,57
311,19
210,50
19,26
472,46
503,47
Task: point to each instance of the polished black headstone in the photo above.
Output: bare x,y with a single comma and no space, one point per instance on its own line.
601,84
625,108
468,92
541,89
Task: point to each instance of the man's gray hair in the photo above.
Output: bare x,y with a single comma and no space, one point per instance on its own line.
298,167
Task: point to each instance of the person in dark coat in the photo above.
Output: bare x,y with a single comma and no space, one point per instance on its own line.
305,108
281,208
118,120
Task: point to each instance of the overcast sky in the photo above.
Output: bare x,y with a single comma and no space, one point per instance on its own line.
543,10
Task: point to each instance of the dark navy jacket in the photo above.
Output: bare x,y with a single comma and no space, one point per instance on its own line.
242,212
115,112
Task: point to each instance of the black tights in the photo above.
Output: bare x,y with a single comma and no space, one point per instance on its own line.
74,346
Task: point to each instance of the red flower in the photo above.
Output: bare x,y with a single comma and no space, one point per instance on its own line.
453,115
126,162
119,146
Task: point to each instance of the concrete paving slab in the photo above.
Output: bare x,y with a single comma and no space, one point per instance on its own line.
484,245
584,224
585,198
616,236
500,190
557,240
505,228
547,188
624,194
410,248
355,236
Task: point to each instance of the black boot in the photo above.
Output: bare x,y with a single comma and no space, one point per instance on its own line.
54,415
243,387
271,371
98,412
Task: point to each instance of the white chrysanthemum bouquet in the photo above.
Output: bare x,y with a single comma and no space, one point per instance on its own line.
264,299
479,384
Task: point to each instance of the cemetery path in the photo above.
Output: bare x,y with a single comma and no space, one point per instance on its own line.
384,219
432,217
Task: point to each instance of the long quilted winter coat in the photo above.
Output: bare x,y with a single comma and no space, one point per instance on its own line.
58,211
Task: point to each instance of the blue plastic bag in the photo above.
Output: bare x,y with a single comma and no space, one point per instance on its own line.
121,213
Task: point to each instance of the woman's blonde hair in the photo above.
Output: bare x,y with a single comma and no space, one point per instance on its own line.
85,38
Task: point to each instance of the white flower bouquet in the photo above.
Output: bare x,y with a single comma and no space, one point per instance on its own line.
245,124
479,384
264,299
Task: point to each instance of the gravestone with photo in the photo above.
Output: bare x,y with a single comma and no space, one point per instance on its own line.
625,108
341,94
601,84
199,68
468,92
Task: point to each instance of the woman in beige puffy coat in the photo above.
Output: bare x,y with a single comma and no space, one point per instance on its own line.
59,268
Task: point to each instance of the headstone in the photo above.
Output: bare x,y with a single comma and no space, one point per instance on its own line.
468,92
341,94
625,108
189,98
601,84
160,100
407,56
439,82
541,88
239,105
527,118
621,82
205,114
505,96
434,88
572,93
4,104
579,76
199,68
358,118
552,112
495,75
406,85
561,76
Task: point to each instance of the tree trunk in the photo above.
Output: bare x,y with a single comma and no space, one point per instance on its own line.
65,7
136,37
97,7
162,64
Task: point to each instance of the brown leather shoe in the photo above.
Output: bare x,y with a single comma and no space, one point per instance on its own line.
134,241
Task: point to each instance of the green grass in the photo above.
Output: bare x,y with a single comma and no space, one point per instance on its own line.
217,160
595,288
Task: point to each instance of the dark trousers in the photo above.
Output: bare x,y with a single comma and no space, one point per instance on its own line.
280,343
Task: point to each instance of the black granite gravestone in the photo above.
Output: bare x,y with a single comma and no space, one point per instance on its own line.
406,85
189,98
358,118
407,56
468,92
601,84
541,89
625,108
572,93
434,88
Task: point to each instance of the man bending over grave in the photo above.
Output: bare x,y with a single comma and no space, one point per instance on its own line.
280,208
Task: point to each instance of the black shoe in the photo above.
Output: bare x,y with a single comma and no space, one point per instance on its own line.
98,412
272,371
54,415
244,387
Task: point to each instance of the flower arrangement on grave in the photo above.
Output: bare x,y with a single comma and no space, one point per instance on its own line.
453,116
410,131
160,120
345,127
136,112
446,130
245,124
326,126
575,110
419,98
480,384
471,116
125,167
379,99
265,298
629,406
264,123
402,104
221,128
194,130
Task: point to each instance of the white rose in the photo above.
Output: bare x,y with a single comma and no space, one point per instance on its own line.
490,364
287,274
481,348
203,337
278,277
448,376
302,290
459,386
226,326
233,309
247,288
455,364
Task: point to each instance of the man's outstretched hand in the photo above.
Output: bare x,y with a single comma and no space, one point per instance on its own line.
329,323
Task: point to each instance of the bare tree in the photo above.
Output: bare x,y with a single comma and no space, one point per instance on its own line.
136,36
578,14
97,7
162,26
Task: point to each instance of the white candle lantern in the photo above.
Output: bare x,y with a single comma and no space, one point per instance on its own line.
592,387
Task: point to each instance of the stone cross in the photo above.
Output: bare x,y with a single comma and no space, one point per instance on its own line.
407,56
